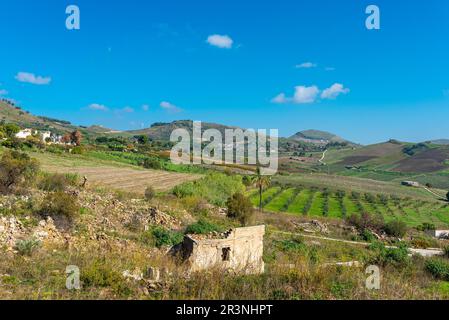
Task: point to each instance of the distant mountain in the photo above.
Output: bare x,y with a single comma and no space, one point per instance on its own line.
318,137
440,141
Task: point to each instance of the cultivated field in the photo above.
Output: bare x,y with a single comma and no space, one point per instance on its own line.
113,174
128,179
314,202
337,182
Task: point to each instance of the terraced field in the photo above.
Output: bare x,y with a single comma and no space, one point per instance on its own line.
112,174
314,202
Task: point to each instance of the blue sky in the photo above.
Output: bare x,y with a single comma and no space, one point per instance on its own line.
365,85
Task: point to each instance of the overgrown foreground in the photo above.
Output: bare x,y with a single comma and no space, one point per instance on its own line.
49,222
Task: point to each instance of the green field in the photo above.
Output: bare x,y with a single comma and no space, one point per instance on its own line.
312,202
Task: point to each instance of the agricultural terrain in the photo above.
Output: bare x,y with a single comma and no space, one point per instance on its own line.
324,203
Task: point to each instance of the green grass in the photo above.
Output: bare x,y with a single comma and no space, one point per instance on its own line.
278,203
299,202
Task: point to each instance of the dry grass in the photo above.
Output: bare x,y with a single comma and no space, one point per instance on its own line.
128,179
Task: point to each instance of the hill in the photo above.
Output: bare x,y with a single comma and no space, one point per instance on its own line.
440,141
318,137
11,113
393,161
162,130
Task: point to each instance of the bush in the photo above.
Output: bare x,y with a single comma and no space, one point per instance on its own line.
202,227
395,228
240,208
150,193
291,245
367,235
426,226
366,221
27,247
447,196
99,274
77,150
423,242
60,204
159,236
216,188
384,256
247,180
152,163
15,169
438,268
56,181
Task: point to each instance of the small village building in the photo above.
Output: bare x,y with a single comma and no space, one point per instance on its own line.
410,184
238,250
25,133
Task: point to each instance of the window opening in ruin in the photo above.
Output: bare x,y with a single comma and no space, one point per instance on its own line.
226,254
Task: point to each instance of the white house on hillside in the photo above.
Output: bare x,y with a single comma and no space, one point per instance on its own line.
25,133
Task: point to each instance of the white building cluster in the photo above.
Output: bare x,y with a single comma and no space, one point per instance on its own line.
45,136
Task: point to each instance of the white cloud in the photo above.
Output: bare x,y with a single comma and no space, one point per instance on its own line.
32,78
280,98
145,107
220,41
334,91
98,107
306,65
128,110
170,107
3,92
304,95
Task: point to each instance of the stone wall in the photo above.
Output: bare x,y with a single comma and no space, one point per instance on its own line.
238,250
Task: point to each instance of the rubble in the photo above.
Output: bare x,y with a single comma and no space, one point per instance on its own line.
314,226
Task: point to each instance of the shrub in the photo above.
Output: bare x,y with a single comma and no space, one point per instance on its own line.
395,228
56,181
159,236
203,227
367,235
16,168
446,251
447,196
366,221
384,256
247,180
150,193
77,150
438,268
27,247
426,226
291,245
99,274
423,242
152,163
216,188
240,208
60,204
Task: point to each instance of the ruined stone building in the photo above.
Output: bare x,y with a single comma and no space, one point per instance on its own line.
238,250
